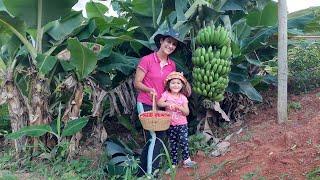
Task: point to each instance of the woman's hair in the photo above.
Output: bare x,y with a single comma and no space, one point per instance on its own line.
183,90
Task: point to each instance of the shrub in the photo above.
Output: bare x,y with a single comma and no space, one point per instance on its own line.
304,68
294,106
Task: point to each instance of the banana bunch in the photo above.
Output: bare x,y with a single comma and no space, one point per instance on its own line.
202,55
211,63
213,36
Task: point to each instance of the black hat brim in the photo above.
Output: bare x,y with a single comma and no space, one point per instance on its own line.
161,36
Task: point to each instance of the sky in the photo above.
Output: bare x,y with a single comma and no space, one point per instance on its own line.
293,5
82,3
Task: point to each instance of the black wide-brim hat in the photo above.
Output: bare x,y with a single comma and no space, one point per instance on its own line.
168,33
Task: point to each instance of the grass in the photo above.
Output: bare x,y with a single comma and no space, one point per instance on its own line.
57,167
7,175
314,174
82,168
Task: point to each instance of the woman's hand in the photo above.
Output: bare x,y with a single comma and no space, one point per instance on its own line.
152,92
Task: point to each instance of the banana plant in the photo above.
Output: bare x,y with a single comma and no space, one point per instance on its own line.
57,128
28,22
82,63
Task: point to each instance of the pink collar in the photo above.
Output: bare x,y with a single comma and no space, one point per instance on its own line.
158,60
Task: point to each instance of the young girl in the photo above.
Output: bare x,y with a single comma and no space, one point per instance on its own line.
175,101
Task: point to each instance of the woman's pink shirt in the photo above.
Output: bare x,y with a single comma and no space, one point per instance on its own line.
154,76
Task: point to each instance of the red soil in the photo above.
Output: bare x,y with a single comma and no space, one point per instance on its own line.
265,149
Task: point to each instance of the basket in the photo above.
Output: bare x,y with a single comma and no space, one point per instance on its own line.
155,120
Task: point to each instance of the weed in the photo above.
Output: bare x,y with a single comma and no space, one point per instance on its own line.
314,174
284,176
215,168
253,175
318,95
197,142
246,137
249,175
294,106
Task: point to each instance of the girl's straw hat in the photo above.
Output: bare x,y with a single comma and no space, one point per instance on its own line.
179,75
176,75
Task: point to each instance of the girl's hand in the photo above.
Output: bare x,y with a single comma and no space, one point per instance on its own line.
174,107
171,106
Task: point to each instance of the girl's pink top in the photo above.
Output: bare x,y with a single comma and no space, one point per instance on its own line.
154,76
177,117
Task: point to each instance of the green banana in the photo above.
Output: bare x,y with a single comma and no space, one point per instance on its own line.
207,38
223,37
228,53
217,54
203,51
198,52
211,56
202,38
215,67
206,57
208,88
224,70
219,69
208,73
210,79
218,98
205,79
216,35
223,51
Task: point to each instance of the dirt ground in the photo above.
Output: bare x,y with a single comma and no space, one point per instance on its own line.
265,149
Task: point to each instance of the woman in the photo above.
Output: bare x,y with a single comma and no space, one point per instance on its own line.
149,80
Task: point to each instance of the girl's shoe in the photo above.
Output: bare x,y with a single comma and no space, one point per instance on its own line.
189,163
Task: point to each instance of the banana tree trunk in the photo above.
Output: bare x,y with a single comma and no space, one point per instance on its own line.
97,97
17,110
73,112
39,99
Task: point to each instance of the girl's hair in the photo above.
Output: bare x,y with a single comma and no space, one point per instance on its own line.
183,90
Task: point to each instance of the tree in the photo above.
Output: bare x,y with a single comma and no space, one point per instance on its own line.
282,62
